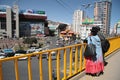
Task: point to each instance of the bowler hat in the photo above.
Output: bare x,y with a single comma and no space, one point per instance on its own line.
94,29
98,28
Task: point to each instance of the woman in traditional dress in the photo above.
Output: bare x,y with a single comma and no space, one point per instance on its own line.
95,65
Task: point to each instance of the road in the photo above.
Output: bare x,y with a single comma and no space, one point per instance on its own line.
9,72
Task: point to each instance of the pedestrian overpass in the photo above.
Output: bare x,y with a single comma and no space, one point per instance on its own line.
68,65
111,71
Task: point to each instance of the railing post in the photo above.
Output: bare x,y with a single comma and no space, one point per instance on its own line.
84,63
40,67
76,59
58,65
1,76
81,60
50,66
16,69
70,73
65,64
29,68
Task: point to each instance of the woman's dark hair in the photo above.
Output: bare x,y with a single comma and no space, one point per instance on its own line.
98,28
94,31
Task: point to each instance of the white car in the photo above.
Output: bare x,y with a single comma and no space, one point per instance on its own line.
34,50
30,50
38,50
2,55
23,58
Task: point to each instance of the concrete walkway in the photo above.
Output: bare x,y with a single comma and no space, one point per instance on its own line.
111,71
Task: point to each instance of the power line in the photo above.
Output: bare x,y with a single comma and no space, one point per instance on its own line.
87,5
67,5
60,2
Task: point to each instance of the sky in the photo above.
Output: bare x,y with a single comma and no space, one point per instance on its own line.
62,10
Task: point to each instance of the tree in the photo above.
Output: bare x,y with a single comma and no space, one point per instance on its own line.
30,41
52,32
62,27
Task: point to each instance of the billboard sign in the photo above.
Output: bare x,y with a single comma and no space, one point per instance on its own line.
37,28
30,11
88,21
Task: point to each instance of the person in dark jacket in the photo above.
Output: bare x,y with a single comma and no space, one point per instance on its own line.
102,38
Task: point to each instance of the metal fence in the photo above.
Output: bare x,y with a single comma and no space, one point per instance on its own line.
69,61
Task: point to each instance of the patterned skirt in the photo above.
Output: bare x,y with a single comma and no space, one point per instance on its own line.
93,67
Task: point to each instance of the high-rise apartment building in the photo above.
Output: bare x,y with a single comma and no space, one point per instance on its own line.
102,12
78,16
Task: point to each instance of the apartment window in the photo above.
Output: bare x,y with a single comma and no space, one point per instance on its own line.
3,25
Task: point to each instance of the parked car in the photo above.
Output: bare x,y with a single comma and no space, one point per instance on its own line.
33,49
20,53
44,55
9,52
2,55
53,55
37,50
30,50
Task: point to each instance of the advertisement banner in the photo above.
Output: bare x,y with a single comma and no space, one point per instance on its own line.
30,11
88,21
37,28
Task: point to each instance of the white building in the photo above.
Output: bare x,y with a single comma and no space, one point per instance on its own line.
85,31
78,16
87,24
99,23
117,28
